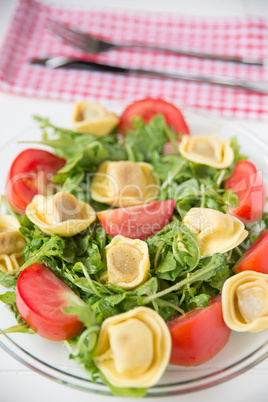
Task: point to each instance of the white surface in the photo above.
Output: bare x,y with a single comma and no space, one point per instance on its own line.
17,382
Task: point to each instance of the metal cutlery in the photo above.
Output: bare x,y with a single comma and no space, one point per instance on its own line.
94,45
65,62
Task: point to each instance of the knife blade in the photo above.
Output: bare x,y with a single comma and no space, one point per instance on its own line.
65,62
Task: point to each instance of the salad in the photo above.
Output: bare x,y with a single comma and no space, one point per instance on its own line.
131,234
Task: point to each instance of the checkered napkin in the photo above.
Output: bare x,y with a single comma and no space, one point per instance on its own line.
29,38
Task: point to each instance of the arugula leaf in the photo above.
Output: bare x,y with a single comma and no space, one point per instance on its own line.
168,268
85,314
9,299
123,392
8,281
33,253
179,251
230,198
203,272
145,139
86,342
147,288
236,148
200,300
220,277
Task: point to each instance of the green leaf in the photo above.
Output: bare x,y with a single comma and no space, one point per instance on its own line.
148,288
230,198
23,328
168,268
211,265
85,314
236,148
115,299
144,139
123,392
103,309
52,246
200,300
184,244
8,297
222,274
205,270
6,280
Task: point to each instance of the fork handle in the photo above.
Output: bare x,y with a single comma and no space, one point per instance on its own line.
184,52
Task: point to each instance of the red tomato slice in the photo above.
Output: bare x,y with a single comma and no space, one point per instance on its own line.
246,181
138,222
147,108
30,174
198,335
256,257
40,298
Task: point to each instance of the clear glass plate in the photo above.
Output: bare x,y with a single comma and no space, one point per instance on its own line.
243,350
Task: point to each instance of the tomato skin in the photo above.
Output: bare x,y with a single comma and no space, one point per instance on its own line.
248,184
138,222
149,107
40,298
30,174
256,257
199,335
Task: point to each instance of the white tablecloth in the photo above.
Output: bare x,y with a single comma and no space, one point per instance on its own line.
17,382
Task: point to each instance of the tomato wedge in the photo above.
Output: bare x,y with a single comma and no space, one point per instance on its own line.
138,222
256,257
41,298
147,108
30,174
246,181
198,335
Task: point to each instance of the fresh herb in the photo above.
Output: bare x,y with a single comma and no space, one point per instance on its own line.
9,299
7,280
147,139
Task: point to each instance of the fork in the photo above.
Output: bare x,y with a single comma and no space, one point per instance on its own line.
94,45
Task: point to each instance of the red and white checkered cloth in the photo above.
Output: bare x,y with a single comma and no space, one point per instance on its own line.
29,38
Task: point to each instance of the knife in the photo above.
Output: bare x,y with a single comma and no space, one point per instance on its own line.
65,62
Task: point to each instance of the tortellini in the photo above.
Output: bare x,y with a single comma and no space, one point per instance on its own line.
207,150
133,348
127,262
245,301
12,244
216,232
92,118
124,183
60,214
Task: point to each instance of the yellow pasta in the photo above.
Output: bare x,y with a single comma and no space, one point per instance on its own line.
12,262
216,232
127,262
60,214
207,150
124,183
245,302
12,244
133,348
92,118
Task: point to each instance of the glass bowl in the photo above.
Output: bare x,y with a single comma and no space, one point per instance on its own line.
243,350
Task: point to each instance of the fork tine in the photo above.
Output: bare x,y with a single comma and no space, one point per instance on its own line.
63,29
68,35
78,39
